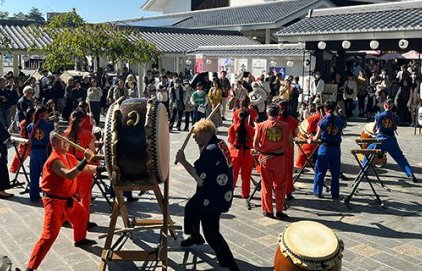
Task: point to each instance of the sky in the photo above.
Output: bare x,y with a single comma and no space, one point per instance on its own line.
92,11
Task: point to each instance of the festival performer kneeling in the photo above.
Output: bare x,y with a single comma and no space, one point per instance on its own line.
214,193
59,185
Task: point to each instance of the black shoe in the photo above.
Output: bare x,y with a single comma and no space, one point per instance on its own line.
223,118
231,266
186,130
85,242
281,215
191,240
318,196
413,178
290,197
91,225
179,129
8,196
269,215
29,269
132,199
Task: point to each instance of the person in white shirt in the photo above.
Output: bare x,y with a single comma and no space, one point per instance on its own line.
257,98
350,93
317,86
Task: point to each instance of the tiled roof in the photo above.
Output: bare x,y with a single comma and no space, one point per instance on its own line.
400,16
252,15
262,50
170,40
24,36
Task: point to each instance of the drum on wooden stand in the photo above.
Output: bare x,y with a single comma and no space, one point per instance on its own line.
302,131
308,245
136,141
368,132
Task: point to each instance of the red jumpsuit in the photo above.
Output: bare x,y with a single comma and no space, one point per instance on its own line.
273,137
308,148
57,210
253,116
84,191
241,157
293,123
24,149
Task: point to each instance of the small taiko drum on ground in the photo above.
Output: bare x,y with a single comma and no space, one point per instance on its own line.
368,132
136,142
308,245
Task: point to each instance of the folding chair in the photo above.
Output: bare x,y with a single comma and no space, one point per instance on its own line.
15,182
363,173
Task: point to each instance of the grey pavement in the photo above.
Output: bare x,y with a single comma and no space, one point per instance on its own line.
375,238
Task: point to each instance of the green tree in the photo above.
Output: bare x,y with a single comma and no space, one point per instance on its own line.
36,15
73,38
4,14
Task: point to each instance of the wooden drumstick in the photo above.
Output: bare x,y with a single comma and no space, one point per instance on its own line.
185,143
71,143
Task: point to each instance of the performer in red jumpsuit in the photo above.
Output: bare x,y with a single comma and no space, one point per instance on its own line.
253,115
24,149
293,123
81,133
309,148
272,139
240,137
59,186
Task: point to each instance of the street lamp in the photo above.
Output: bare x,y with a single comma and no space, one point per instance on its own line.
346,44
374,44
290,63
322,45
403,44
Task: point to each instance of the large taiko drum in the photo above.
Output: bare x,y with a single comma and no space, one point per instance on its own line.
137,143
302,131
308,245
368,132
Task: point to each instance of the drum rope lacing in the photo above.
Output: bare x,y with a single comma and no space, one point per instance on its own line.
154,137
304,259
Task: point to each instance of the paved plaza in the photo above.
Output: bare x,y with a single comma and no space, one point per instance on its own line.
374,238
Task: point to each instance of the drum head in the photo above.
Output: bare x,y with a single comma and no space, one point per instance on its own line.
368,128
160,142
311,240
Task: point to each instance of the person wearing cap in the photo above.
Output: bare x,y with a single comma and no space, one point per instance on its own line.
240,137
59,185
272,139
189,107
38,132
329,132
293,123
386,126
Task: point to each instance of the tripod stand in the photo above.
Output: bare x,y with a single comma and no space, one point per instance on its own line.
15,182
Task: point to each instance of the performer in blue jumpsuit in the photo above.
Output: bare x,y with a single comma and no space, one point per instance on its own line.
38,132
386,126
214,193
329,132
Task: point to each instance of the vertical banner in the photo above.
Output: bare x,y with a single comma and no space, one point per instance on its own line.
199,64
240,66
259,66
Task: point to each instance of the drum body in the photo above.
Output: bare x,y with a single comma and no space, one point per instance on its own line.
308,245
137,145
367,132
302,131
420,114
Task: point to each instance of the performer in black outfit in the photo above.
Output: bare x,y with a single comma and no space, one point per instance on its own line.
4,173
214,192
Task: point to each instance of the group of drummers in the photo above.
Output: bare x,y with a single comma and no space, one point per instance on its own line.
268,146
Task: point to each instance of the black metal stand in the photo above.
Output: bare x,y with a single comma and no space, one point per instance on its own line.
15,183
257,188
308,159
363,173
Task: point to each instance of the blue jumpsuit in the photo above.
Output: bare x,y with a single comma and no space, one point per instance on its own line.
39,142
385,124
329,154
